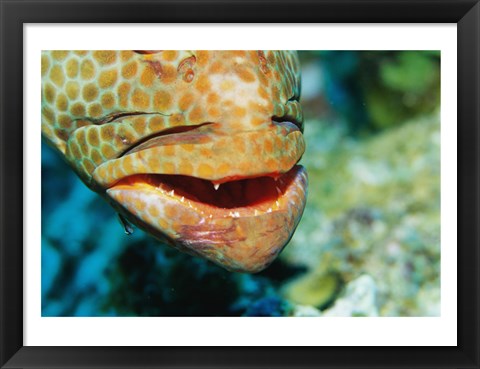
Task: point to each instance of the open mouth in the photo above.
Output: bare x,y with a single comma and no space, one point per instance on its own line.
242,225
231,196
233,199
237,198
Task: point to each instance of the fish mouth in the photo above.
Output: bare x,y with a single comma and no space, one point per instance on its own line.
240,220
238,198
242,225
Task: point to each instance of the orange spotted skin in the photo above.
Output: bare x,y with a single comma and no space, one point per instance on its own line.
151,130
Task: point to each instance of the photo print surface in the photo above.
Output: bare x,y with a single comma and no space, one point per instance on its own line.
240,183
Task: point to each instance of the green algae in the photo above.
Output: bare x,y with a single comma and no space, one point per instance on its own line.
313,289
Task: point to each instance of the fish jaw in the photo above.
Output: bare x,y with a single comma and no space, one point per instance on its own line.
238,206
242,234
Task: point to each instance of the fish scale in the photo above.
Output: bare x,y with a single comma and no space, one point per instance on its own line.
121,117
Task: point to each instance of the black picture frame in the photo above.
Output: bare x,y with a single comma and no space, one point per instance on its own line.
465,13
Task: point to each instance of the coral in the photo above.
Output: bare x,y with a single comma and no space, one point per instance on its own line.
374,208
358,299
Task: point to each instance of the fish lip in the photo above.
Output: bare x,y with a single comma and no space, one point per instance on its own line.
212,147
194,133
240,239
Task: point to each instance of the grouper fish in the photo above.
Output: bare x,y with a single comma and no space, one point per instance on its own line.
198,148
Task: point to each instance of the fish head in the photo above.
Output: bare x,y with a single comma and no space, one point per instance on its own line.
198,148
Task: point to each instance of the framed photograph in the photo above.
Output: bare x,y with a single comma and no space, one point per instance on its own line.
299,191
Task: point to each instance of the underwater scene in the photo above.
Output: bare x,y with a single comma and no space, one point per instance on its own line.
174,183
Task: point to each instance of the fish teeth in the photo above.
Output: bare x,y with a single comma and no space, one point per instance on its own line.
278,190
216,186
171,193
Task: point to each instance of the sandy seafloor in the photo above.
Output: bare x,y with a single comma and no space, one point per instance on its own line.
368,243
